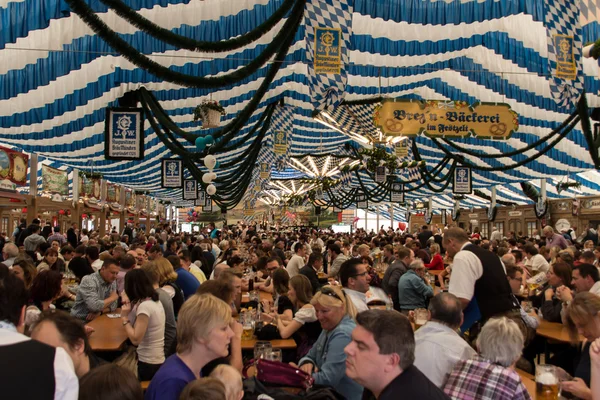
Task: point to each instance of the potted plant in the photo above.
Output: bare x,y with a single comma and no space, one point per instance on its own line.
209,112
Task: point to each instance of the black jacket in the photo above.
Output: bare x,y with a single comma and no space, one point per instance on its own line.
410,384
311,274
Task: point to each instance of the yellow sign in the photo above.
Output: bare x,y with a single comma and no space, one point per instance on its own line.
565,60
401,149
280,144
402,117
328,51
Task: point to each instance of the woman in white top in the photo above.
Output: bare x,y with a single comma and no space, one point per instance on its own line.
304,326
147,331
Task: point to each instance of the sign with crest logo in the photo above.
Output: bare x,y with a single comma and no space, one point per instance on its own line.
124,134
328,55
172,173
397,194
190,189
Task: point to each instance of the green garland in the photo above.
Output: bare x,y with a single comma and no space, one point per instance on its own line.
566,186
592,140
484,196
90,175
167,36
224,135
530,191
138,59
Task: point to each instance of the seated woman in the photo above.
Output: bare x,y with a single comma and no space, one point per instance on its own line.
60,329
437,262
559,274
25,271
46,287
147,331
304,326
492,373
583,319
203,334
283,307
326,360
167,277
51,261
224,290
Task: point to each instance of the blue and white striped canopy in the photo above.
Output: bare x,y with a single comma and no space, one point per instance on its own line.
57,77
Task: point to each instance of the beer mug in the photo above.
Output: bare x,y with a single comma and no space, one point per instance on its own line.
262,350
420,317
546,382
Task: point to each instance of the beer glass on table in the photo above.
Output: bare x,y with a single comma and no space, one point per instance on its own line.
420,317
546,382
262,350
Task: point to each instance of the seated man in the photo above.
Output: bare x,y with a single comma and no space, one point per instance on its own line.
355,281
413,289
438,346
97,292
29,369
491,375
380,357
272,264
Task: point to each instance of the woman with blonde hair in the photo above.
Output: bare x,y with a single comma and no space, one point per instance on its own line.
583,319
554,250
437,262
203,334
166,281
25,271
326,360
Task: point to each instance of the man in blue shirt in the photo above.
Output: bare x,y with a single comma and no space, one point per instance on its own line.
413,289
185,280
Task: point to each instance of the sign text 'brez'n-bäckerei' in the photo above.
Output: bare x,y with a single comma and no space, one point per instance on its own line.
402,117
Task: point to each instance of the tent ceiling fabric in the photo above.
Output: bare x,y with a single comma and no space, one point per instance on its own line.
57,77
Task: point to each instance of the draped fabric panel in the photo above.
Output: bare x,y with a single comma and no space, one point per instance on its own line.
57,77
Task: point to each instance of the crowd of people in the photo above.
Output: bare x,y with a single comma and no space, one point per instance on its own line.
180,296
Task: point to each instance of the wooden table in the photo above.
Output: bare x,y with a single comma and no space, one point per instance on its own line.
556,332
435,272
277,344
261,295
109,334
529,382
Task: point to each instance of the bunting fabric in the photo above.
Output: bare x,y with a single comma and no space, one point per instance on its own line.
564,32
328,32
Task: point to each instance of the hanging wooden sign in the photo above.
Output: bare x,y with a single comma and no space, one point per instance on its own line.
403,117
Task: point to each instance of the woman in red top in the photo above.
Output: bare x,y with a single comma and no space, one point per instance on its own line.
437,262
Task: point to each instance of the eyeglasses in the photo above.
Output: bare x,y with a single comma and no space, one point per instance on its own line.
361,274
330,292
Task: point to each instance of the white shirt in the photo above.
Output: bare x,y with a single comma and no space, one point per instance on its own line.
466,269
437,349
595,289
96,265
66,382
294,265
152,348
538,263
359,299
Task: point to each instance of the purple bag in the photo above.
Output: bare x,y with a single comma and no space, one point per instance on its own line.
281,374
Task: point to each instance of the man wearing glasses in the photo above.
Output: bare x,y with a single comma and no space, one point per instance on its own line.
355,281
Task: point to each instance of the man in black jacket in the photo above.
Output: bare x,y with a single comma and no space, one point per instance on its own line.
381,355
315,262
